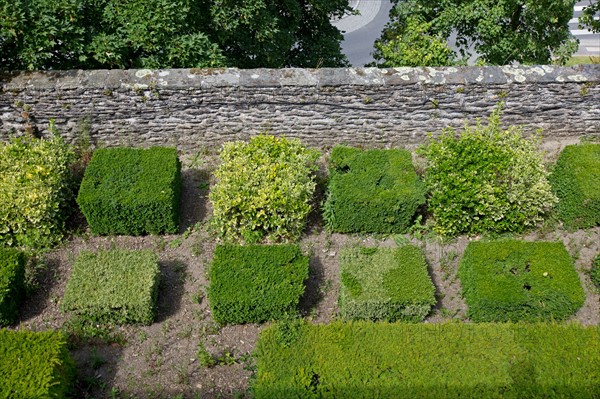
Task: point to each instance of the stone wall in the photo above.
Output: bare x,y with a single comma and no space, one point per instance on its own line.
191,108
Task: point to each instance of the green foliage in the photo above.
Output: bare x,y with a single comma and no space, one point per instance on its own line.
590,17
35,190
34,365
264,189
486,179
595,273
119,286
404,360
410,43
132,191
519,280
254,283
374,191
385,284
576,181
94,34
498,32
12,284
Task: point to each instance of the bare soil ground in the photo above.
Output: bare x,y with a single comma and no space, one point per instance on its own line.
160,360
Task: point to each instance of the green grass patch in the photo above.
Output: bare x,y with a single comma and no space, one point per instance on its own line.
132,191
12,284
519,280
373,191
34,365
576,182
385,284
255,283
582,60
405,360
119,286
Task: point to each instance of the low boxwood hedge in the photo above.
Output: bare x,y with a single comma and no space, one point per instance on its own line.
116,285
518,280
407,360
385,284
12,284
373,191
132,191
256,283
34,365
576,182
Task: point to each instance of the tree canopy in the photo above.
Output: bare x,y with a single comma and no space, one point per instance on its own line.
67,34
590,17
411,43
498,32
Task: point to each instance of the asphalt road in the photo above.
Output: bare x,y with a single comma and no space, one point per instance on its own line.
589,43
361,31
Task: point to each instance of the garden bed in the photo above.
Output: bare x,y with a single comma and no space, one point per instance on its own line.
160,360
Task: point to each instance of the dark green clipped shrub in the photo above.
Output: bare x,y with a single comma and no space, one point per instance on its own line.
264,190
34,365
255,283
519,280
485,179
132,191
374,191
385,284
36,187
576,182
116,285
426,360
595,273
12,284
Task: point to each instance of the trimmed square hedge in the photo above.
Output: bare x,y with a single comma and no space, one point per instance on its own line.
34,365
12,284
116,285
519,280
372,191
576,182
256,283
385,284
427,360
132,191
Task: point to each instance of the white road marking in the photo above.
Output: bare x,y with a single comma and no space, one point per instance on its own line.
368,11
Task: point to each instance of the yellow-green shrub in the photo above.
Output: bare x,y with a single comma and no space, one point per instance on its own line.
264,189
34,365
35,187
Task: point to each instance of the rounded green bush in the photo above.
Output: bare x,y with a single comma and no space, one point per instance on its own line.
264,189
486,179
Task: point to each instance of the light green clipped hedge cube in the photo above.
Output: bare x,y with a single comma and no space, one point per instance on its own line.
385,284
116,285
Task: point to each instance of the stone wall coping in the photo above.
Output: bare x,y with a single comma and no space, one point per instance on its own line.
177,79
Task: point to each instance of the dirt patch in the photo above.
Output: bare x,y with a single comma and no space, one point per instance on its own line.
160,360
